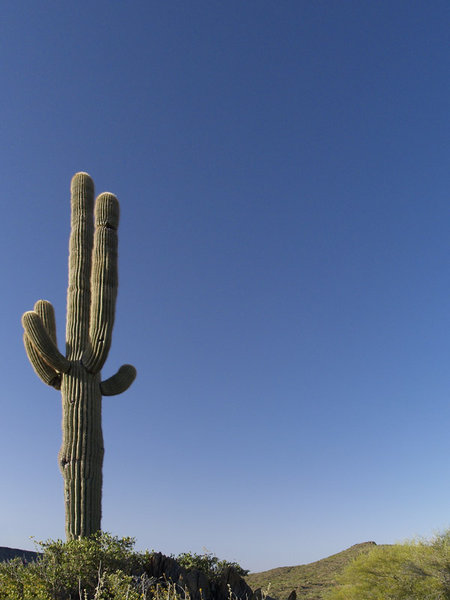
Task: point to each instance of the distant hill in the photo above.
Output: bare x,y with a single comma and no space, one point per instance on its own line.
309,581
9,553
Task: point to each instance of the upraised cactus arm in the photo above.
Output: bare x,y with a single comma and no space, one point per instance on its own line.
41,368
104,282
43,343
47,373
80,258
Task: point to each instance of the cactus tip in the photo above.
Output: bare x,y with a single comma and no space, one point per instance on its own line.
82,178
81,174
107,210
40,303
26,317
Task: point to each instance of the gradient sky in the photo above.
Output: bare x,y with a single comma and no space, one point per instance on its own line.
284,263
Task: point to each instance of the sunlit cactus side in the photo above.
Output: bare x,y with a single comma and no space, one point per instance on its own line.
91,299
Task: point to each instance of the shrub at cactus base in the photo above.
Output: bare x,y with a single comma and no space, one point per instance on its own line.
105,567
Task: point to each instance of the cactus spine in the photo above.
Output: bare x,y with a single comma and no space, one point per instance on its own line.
91,299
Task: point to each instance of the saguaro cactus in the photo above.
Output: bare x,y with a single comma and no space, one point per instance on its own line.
91,299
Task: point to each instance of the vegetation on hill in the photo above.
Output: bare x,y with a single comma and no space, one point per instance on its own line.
418,570
310,581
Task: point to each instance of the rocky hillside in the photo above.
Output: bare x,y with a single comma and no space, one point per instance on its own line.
309,581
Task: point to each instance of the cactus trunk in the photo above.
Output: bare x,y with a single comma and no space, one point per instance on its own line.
91,298
81,454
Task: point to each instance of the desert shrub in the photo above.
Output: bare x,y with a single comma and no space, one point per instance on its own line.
99,567
418,570
21,582
208,564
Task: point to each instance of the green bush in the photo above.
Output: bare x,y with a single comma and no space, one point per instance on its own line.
21,582
99,567
418,570
208,564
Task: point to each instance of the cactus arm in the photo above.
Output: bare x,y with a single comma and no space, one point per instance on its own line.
48,375
45,310
119,382
41,368
104,282
41,340
80,252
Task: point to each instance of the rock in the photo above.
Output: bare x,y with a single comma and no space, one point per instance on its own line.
200,586
230,581
159,566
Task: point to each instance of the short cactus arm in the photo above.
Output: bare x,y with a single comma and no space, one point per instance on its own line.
119,382
80,253
43,343
104,282
41,368
48,375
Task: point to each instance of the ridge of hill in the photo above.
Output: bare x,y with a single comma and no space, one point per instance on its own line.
10,553
309,581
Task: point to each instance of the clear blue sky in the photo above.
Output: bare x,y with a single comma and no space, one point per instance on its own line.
284,291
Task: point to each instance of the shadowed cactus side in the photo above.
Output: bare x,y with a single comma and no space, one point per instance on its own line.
91,299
